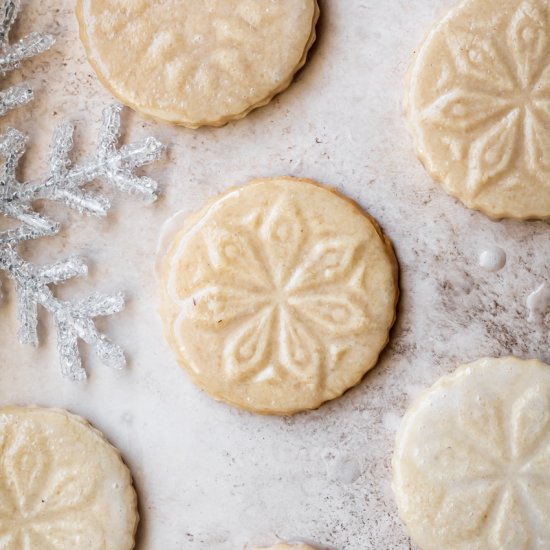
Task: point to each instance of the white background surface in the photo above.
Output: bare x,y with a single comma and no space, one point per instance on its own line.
210,477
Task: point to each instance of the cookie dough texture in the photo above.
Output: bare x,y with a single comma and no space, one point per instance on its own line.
62,485
472,459
478,106
278,295
197,63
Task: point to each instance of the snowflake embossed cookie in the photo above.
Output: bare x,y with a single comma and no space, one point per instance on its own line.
472,459
478,106
279,295
62,485
197,63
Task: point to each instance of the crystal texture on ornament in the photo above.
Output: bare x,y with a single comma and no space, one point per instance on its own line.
11,55
65,184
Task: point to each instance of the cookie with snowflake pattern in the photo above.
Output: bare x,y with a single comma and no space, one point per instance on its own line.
197,63
62,485
279,295
478,106
472,459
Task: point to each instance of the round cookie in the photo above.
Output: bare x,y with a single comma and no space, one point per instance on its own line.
62,485
478,106
279,295
197,63
472,459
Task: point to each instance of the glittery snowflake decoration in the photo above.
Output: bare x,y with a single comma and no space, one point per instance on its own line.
65,184
11,55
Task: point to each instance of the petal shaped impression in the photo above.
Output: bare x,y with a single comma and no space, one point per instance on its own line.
290,300
472,459
63,486
478,102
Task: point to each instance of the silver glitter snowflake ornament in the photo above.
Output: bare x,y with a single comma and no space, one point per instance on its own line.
64,184
11,55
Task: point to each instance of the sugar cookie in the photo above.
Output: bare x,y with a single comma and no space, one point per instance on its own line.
279,295
472,459
197,63
62,485
478,106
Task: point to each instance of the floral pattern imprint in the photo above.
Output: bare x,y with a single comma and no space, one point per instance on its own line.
479,105
483,458
289,300
62,485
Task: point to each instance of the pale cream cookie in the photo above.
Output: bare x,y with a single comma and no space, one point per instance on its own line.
279,295
472,459
62,485
478,106
197,63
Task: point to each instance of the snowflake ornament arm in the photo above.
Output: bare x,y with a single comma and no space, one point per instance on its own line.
73,319
11,55
64,184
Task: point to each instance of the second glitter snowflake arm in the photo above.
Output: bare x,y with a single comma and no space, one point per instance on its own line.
111,165
73,319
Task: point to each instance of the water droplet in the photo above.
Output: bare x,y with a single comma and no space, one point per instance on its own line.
391,422
492,259
538,304
343,469
169,230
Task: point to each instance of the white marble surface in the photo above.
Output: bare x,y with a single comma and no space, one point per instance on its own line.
211,477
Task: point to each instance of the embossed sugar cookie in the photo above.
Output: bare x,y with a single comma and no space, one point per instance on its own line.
279,295
472,459
478,106
197,63
62,486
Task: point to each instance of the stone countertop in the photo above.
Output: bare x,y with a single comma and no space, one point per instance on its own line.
211,477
